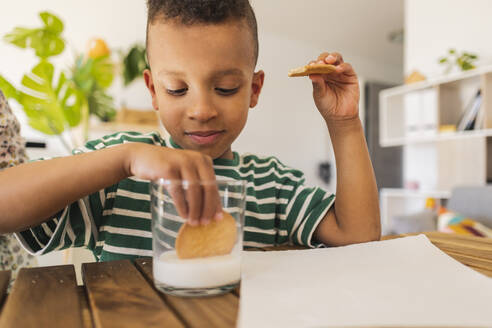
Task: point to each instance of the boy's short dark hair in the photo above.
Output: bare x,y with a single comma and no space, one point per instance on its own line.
190,12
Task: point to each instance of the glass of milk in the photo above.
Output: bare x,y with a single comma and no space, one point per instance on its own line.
203,276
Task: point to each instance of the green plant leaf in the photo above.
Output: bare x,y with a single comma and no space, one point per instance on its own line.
8,89
72,101
52,23
39,100
102,71
45,41
92,77
101,105
467,66
18,36
81,74
47,44
134,63
88,72
50,109
71,98
443,60
452,51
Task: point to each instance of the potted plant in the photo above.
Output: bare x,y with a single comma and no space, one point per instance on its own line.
53,101
464,60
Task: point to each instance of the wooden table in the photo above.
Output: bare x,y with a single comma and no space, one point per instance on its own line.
121,293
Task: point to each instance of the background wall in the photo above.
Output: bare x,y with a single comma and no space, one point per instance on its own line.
432,27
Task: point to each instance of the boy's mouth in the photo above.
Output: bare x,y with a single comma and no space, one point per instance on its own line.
204,137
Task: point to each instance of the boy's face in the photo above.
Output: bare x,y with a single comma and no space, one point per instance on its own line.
202,82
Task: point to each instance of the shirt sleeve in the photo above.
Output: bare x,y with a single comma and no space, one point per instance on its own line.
305,210
77,225
74,226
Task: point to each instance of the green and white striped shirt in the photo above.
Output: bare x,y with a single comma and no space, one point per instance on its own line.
115,222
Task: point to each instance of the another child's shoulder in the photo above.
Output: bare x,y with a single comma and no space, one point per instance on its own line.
124,137
267,165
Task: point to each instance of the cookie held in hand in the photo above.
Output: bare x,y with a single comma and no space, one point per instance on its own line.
213,239
312,69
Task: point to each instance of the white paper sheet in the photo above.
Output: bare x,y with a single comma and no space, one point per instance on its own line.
402,282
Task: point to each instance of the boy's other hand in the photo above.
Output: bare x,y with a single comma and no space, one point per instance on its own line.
336,94
199,203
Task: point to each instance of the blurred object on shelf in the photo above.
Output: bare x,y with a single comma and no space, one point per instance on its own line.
131,116
464,60
470,113
143,121
472,201
421,113
447,128
430,203
452,222
412,185
416,222
415,76
424,220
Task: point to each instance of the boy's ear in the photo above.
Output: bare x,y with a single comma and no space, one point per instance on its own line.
256,86
150,85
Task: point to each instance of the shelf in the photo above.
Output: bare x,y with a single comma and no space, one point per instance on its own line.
413,113
447,136
453,77
406,193
411,117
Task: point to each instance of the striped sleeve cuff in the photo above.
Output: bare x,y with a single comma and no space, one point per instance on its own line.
309,207
41,239
73,226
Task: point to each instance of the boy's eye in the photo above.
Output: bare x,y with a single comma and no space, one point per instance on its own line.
226,92
177,92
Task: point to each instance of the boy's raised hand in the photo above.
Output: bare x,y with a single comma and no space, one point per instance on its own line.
198,202
336,94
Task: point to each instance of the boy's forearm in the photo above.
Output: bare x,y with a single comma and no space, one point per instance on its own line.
31,193
357,203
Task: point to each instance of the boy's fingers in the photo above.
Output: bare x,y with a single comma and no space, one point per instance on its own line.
322,56
333,58
345,68
194,194
211,197
177,193
210,190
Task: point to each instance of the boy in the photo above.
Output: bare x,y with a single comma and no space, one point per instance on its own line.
202,56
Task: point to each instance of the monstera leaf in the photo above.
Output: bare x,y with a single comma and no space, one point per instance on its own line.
8,90
53,102
134,63
93,77
50,108
46,41
102,71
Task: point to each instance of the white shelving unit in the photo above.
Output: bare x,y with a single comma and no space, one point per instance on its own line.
436,162
402,201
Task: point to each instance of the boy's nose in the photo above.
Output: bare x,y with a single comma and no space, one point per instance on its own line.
202,111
